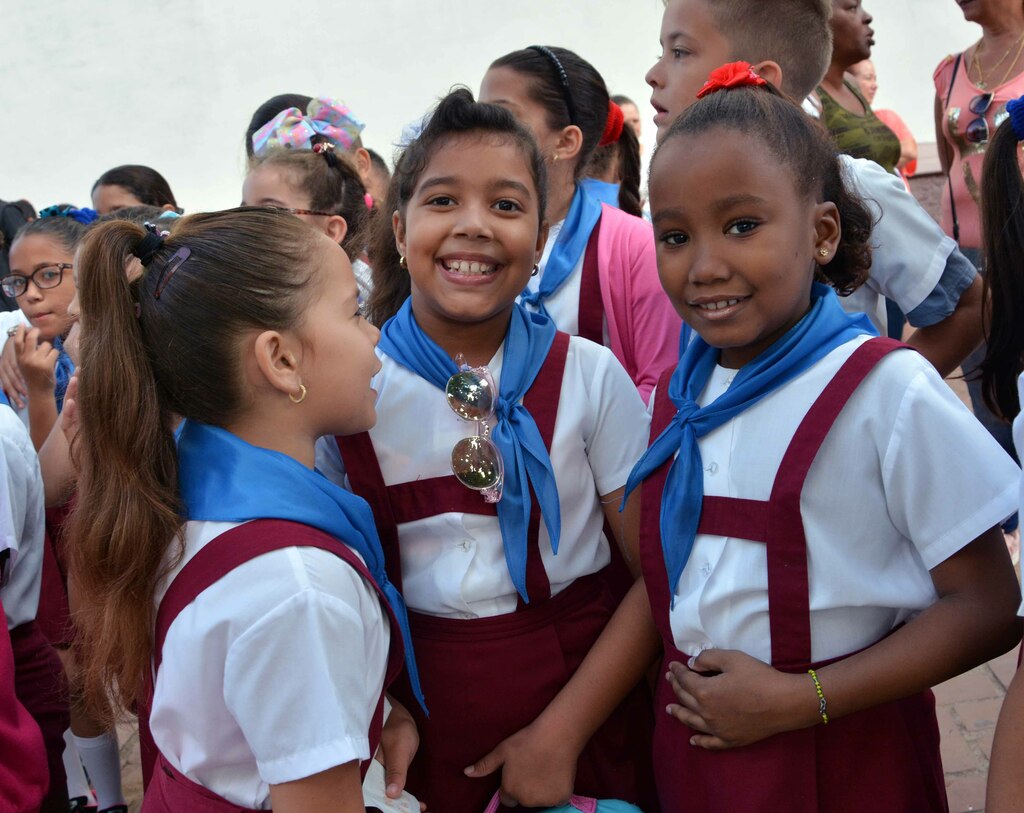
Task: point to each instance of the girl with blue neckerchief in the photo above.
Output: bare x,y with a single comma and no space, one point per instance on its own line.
494,472
225,587
820,539
597,277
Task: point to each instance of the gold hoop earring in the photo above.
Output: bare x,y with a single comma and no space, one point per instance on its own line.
401,262
535,271
302,395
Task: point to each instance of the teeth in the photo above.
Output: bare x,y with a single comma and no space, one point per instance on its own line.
714,306
470,268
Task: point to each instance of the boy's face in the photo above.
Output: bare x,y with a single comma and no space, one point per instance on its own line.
691,47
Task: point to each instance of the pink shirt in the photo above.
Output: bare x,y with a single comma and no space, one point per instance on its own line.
965,171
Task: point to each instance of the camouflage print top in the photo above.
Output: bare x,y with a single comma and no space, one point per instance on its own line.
860,136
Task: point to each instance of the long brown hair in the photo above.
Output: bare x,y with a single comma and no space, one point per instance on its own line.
146,360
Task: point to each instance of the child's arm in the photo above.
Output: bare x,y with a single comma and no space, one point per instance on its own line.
337,789
539,762
59,475
37,361
1006,776
974,620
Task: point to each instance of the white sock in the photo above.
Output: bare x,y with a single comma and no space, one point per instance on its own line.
102,760
78,785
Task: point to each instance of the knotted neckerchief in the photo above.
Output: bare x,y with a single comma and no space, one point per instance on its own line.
584,212
62,372
825,327
295,130
224,479
515,433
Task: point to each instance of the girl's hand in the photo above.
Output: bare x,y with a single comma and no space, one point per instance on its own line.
10,376
399,741
538,767
69,415
36,360
731,699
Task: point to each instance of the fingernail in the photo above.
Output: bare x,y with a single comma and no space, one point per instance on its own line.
668,675
690,663
468,771
693,740
392,790
668,709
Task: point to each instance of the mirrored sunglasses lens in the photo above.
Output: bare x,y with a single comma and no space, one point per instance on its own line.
470,395
977,131
476,463
980,104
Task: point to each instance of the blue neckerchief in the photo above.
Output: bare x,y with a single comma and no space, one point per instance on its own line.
825,327
224,479
584,212
62,372
602,190
515,433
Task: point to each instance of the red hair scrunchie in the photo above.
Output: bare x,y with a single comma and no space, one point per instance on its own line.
731,75
613,126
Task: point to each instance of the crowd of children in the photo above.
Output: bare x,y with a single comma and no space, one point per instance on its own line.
470,484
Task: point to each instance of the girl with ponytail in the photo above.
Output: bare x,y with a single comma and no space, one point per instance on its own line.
597,277
223,585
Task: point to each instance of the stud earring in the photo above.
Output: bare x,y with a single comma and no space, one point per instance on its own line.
302,395
824,252
401,261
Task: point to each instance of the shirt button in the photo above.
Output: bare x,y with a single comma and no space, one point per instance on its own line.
466,616
711,468
705,569
465,544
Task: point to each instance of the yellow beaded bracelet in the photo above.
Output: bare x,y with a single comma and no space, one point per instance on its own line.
822,705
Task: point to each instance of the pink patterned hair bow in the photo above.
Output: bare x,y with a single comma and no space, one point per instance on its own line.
294,130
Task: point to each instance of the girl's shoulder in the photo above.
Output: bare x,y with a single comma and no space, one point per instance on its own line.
943,73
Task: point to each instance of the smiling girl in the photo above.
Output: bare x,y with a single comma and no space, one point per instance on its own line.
525,660
810,575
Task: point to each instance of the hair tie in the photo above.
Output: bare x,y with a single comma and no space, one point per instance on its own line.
563,78
613,126
326,149
149,245
295,130
1015,107
83,216
732,75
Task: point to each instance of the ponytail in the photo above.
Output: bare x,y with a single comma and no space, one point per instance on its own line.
1002,227
129,514
629,172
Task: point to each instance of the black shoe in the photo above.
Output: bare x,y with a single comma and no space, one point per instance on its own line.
80,804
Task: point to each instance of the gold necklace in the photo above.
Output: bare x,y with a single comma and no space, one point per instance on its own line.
976,63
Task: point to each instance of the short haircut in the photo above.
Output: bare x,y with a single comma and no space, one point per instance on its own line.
620,100
378,161
794,33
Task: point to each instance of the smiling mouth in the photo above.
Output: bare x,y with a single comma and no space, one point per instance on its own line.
718,305
469,268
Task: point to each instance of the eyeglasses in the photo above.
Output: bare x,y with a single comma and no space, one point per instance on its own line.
977,130
476,461
49,276
300,211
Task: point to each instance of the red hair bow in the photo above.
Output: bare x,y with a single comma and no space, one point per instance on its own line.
613,125
732,75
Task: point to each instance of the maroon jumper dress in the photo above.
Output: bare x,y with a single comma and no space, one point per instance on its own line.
883,759
484,679
168,790
591,314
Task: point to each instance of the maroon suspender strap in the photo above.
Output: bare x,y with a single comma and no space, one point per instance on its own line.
652,560
366,480
788,588
419,499
591,313
541,401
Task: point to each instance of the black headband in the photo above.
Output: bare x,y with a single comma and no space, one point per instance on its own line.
563,78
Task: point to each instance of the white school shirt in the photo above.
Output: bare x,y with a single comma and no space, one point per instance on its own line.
22,519
272,674
453,564
909,249
906,477
1018,442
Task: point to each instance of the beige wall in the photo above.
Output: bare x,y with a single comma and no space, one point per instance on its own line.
87,86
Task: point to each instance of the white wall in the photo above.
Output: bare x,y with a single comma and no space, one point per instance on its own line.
87,86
